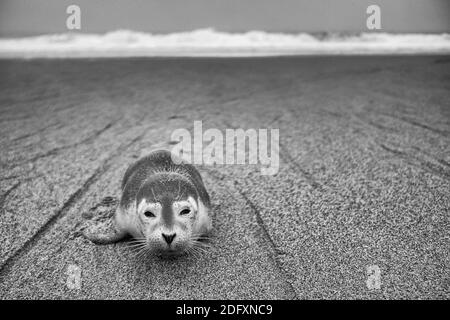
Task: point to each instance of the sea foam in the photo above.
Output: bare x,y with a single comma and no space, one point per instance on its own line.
209,42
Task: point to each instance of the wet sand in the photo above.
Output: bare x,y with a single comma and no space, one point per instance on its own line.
364,175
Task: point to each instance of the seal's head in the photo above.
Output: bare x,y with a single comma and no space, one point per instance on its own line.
168,213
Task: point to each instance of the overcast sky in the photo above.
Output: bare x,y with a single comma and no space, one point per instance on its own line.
31,17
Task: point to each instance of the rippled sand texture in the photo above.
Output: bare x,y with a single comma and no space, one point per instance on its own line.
363,181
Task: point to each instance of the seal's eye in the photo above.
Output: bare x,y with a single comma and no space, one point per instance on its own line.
185,211
149,214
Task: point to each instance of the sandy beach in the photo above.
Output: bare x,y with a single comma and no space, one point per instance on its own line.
364,175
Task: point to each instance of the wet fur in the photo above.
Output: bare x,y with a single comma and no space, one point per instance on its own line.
156,179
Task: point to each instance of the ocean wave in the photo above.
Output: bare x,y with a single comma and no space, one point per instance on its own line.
209,42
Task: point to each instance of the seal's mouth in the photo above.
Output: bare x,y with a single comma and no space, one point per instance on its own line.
169,253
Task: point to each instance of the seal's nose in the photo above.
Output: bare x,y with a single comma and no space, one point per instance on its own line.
169,237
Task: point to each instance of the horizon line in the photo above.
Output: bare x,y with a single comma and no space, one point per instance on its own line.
210,42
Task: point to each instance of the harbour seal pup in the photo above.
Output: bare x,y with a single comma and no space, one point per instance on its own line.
164,206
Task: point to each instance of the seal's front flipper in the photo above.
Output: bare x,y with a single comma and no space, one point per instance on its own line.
103,232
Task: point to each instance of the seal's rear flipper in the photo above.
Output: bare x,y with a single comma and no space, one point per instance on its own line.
103,232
